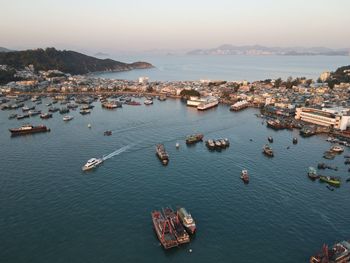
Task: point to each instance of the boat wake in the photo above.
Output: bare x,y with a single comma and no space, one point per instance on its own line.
116,152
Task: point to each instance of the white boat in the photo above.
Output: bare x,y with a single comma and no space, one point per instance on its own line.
148,102
89,125
337,149
177,145
209,103
195,101
68,118
92,163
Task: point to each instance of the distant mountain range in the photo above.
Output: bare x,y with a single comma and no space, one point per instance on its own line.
257,50
2,49
66,61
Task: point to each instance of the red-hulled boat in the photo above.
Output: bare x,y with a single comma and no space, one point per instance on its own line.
163,230
179,231
28,128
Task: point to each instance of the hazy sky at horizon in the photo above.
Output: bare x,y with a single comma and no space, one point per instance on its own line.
137,25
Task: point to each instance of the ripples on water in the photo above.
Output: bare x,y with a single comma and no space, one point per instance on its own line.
53,212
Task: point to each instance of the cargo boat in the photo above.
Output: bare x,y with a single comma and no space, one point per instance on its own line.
331,180
191,139
338,253
162,154
28,129
187,220
179,231
267,150
245,176
163,230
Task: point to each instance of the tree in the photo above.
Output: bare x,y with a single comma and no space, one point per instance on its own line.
278,82
188,93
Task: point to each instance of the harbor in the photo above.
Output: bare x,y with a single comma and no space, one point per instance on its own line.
207,183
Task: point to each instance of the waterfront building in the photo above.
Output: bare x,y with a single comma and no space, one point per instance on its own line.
337,118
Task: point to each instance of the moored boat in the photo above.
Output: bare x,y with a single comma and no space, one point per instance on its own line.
163,230
22,116
331,180
210,144
68,118
162,154
245,176
148,102
84,112
28,128
295,140
179,230
191,139
107,133
312,173
338,253
337,149
267,150
187,220
46,115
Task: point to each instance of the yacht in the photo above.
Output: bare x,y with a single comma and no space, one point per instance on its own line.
92,163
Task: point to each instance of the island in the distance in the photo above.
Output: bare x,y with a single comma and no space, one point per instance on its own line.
65,60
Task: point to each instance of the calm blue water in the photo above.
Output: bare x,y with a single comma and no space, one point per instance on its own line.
53,212
189,67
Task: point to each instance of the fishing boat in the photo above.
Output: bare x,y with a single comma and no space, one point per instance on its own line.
177,145
312,173
187,220
162,154
270,139
331,180
92,163
210,144
148,102
68,118
337,149
45,115
267,150
223,143
179,230
163,230
84,112
191,139
338,253
28,128
107,133
245,176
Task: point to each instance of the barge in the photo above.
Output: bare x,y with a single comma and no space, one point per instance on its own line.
28,129
181,235
163,230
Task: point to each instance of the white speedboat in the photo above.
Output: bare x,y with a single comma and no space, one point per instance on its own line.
92,163
68,118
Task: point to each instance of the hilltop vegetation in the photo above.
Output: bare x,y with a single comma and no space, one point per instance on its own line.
66,61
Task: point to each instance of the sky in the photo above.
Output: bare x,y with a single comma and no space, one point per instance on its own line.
138,25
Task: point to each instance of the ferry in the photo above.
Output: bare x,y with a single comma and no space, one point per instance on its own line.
179,231
162,154
92,163
68,118
338,253
191,139
240,105
267,150
208,104
245,176
187,220
28,128
163,230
